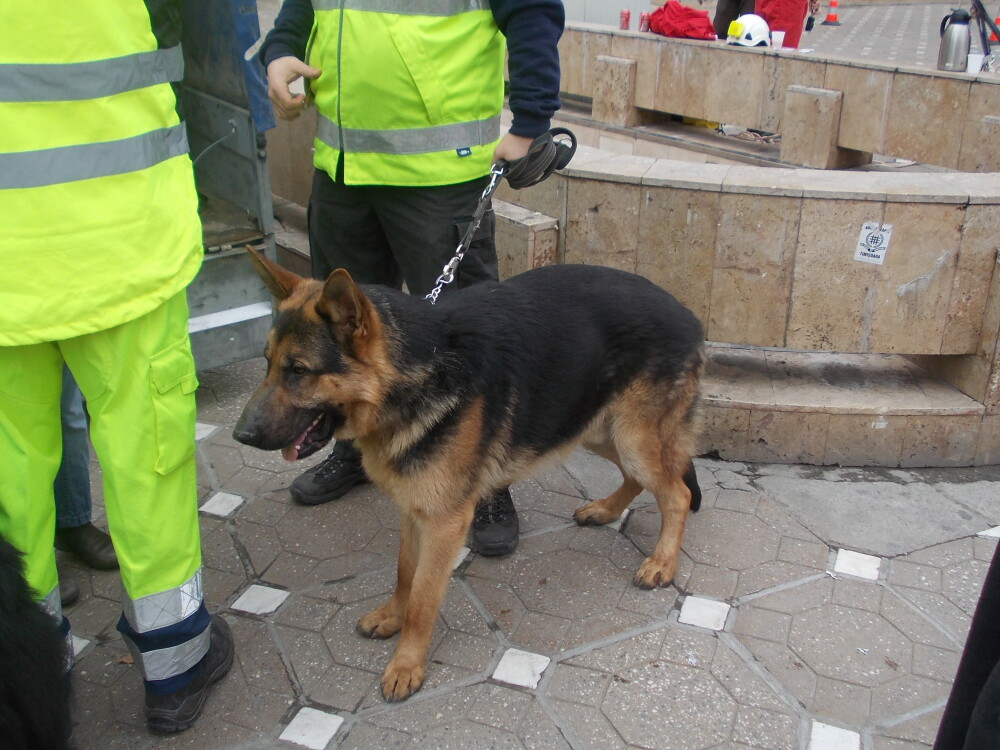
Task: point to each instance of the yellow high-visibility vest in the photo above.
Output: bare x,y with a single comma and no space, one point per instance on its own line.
410,97
98,210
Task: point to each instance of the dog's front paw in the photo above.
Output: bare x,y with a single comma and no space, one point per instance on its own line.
593,514
401,680
381,622
654,572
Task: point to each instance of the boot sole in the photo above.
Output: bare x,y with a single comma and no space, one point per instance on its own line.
162,724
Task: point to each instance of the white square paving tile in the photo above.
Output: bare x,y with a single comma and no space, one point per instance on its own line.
79,644
222,504
311,728
202,430
857,564
260,600
522,668
826,737
993,533
460,557
705,613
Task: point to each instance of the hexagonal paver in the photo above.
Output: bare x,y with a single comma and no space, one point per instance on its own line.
671,688
835,645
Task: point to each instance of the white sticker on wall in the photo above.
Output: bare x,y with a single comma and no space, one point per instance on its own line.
873,242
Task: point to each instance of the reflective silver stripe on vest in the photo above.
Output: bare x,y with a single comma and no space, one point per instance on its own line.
52,166
409,140
165,608
410,8
167,662
65,82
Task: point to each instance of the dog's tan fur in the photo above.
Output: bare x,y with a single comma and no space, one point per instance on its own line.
648,430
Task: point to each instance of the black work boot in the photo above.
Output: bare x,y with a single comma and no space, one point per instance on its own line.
175,712
495,526
332,478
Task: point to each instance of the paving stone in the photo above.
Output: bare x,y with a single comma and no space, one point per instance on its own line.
311,728
521,668
704,613
626,673
826,737
222,504
260,600
857,564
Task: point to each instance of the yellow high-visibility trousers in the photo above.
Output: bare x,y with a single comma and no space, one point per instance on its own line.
139,380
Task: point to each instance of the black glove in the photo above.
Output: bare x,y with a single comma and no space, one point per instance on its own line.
545,155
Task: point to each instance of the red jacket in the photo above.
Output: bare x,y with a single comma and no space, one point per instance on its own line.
676,20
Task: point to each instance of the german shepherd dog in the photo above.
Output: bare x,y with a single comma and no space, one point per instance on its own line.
450,402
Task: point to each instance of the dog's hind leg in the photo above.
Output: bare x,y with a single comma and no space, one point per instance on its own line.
610,508
438,542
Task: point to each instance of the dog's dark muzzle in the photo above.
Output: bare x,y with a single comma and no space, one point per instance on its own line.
297,433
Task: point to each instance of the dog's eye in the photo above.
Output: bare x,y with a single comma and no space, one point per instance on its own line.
299,370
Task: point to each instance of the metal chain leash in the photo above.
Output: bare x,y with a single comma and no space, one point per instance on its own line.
545,155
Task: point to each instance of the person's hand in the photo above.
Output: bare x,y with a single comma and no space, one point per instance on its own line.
814,7
511,147
280,73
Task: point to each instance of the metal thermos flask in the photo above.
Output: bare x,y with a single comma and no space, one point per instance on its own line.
953,54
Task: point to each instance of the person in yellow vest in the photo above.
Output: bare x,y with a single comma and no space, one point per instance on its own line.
101,235
409,97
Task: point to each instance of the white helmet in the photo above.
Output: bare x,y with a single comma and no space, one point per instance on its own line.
750,31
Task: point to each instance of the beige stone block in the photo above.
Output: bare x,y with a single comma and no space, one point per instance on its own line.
975,156
677,237
547,197
782,70
787,437
947,440
751,280
525,239
725,431
810,140
739,101
602,224
616,143
676,90
736,376
867,92
645,50
865,440
980,242
988,450
614,92
913,286
577,49
830,305
982,126
289,157
939,104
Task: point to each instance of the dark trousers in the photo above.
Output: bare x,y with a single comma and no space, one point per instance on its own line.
727,11
971,719
389,235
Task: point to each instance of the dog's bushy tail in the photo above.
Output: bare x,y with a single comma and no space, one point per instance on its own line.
691,480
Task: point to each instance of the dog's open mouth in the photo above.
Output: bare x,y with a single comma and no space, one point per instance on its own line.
314,437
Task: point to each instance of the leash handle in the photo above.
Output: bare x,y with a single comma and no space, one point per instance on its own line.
550,151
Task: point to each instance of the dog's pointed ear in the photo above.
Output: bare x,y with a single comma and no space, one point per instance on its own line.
345,307
279,281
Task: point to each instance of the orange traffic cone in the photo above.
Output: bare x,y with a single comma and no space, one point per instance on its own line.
831,15
996,22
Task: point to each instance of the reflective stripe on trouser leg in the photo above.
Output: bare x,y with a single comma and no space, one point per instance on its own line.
30,387
139,382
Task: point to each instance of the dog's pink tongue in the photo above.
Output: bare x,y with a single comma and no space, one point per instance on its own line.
291,452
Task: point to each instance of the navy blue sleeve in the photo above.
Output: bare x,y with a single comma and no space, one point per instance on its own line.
290,33
532,28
